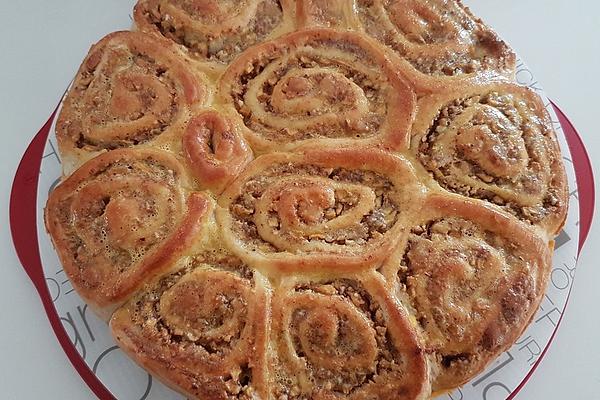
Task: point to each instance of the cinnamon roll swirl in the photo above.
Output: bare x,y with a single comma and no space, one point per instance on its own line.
215,30
436,41
339,208
319,84
474,277
344,339
121,218
131,89
200,330
496,143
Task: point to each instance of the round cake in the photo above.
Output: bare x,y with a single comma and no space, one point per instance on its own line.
278,200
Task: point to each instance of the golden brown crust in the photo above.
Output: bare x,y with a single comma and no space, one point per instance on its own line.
215,150
364,210
344,338
318,86
437,42
474,276
495,142
200,330
339,208
131,89
215,31
122,218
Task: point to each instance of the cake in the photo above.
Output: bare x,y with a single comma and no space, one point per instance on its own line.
309,199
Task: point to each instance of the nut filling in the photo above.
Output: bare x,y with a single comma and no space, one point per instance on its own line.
115,215
212,31
470,288
438,38
201,315
320,84
307,199
156,309
333,340
363,196
494,147
157,105
153,213
313,91
129,91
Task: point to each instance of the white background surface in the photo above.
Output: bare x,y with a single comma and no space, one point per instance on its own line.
41,46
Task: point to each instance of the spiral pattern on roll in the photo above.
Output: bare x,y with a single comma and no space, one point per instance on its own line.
122,217
319,84
336,338
339,207
495,143
474,277
130,89
214,30
438,38
201,326
309,199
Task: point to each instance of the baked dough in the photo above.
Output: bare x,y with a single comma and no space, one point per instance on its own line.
343,208
214,32
343,338
473,278
494,142
215,149
438,42
201,328
124,217
319,84
277,200
131,89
